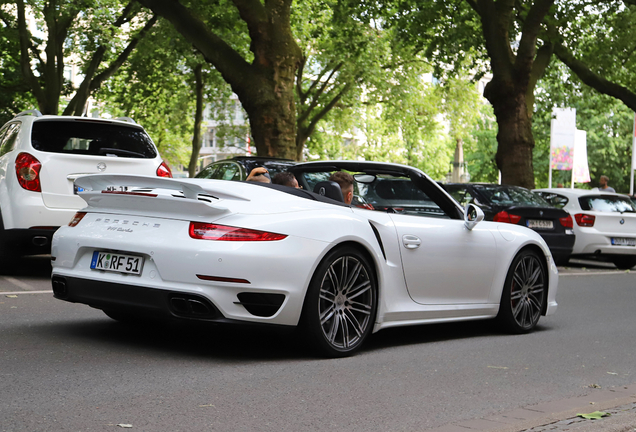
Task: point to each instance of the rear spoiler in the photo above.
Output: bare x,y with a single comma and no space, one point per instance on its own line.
191,188
164,197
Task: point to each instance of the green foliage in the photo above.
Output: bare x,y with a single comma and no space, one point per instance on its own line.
13,93
480,154
155,88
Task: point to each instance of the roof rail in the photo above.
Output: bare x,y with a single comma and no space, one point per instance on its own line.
126,119
32,112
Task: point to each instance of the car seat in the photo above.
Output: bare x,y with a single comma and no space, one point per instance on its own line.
330,189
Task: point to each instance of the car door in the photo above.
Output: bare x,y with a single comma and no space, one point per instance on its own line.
445,263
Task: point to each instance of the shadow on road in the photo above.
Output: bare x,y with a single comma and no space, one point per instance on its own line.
31,266
236,343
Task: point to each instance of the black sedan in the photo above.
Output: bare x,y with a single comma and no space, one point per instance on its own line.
239,167
520,206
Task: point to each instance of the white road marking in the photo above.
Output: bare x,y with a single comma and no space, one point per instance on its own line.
26,292
18,283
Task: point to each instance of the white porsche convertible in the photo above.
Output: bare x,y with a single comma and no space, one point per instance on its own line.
404,253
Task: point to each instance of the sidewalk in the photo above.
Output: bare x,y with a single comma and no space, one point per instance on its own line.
561,415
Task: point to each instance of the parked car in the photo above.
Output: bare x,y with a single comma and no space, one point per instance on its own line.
246,252
239,167
605,224
520,206
42,155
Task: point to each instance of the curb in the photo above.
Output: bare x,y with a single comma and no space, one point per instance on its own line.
559,415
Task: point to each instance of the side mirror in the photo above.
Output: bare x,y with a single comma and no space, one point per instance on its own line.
472,216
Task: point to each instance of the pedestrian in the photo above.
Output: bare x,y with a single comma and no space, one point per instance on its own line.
603,185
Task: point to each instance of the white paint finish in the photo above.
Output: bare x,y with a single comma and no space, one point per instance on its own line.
453,265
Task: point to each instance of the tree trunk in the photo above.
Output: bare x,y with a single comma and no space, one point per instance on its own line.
198,119
265,87
514,137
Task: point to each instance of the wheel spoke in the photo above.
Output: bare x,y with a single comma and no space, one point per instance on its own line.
327,314
517,279
327,295
353,276
333,332
515,295
355,324
360,307
333,277
360,289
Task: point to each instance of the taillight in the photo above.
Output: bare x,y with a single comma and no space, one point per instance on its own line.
567,221
207,231
504,216
164,170
76,219
27,168
585,220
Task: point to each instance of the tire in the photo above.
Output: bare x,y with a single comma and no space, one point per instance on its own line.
624,262
341,303
562,260
524,294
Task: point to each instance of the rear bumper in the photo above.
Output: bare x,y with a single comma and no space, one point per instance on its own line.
142,301
592,242
27,241
560,244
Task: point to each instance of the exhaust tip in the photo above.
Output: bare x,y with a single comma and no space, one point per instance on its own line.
191,306
40,240
60,289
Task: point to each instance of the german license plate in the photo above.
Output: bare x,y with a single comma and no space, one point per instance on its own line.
540,224
117,262
621,241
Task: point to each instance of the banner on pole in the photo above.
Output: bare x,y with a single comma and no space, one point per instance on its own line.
562,138
581,173
634,145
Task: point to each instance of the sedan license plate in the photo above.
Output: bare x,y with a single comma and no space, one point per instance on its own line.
620,241
116,262
540,224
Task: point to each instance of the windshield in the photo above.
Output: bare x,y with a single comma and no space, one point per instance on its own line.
512,196
395,194
92,138
607,203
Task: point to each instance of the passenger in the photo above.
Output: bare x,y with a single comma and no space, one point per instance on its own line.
345,180
259,174
286,179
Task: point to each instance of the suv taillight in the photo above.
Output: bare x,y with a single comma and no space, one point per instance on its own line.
567,221
207,231
585,220
164,170
504,216
27,168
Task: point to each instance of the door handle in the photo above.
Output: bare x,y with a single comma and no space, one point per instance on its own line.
411,241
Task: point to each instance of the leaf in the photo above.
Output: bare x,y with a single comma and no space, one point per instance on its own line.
594,416
124,425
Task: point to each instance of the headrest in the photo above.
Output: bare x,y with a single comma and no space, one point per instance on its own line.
330,189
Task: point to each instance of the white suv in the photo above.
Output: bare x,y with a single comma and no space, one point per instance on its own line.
41,156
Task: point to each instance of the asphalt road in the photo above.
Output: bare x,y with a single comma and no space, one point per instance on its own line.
68,367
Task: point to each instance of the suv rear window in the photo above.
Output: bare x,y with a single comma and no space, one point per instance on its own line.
92,138
606,203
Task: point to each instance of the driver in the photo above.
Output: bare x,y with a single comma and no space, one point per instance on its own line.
345,180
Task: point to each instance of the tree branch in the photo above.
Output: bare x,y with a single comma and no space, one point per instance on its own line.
530,32
225,59
594,80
